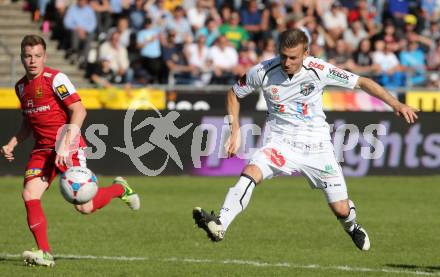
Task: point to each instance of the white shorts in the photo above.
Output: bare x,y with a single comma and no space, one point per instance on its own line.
315,161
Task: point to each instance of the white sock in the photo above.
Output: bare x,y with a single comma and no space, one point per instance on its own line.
349,221
236,200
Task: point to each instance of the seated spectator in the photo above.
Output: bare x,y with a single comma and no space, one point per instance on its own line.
197,15
233,31
80,21
197,56
412,60
269,50
391,75
102,75
398,9
246,59
104,20
119,7
354,34
59,32
276,22
123,30
433,31
148,41
363,60
363,13
210,31
224,60
137,13
335,21
179,71
434,57
157,12
390,36
181,27
317,50
254,21
120,63
225,13
340,56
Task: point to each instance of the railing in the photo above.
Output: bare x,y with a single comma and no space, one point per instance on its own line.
12,65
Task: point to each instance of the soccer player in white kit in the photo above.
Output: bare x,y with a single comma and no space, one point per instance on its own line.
298,137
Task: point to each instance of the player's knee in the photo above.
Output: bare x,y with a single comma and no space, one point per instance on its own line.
27,195
254,172
340,209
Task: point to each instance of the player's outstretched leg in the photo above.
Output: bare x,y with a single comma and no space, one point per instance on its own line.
118,189
236,201
130,197
38,257
355,230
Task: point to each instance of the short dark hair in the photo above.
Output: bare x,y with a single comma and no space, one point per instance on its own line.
292,38
32,40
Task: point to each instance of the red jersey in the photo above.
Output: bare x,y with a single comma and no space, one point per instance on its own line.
44,102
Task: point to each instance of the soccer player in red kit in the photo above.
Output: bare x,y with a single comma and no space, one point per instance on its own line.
49,101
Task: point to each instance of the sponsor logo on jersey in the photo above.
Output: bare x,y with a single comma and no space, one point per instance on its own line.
302,108
338,75
302,111
32,172
274,93
39,92
20,90
30,103
306,88
37,109
279,108
62,91
47,74
316,65
274,156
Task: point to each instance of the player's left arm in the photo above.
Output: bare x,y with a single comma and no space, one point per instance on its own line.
374,89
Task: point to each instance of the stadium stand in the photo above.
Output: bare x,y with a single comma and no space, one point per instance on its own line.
14,22
393,41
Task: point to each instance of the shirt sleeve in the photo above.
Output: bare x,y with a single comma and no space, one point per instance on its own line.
331,75
64,89
248,83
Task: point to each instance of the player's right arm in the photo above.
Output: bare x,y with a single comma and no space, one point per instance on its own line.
22,134
247,84
233,108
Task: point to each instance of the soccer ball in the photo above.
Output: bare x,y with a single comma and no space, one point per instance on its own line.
78,185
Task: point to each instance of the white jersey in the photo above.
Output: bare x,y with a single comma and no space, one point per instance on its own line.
295,104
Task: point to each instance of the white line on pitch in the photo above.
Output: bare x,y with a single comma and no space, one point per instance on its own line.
238,262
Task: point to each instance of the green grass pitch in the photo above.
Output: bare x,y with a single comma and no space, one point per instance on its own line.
287,230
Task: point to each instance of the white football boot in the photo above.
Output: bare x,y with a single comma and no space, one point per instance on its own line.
39,258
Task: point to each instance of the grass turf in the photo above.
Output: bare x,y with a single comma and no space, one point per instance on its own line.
286,229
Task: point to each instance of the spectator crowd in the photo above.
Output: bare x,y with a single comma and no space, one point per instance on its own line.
201,42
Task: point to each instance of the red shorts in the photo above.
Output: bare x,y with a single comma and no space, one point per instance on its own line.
42,164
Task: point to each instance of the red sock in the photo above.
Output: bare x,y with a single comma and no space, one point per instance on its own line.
37,223
105,195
